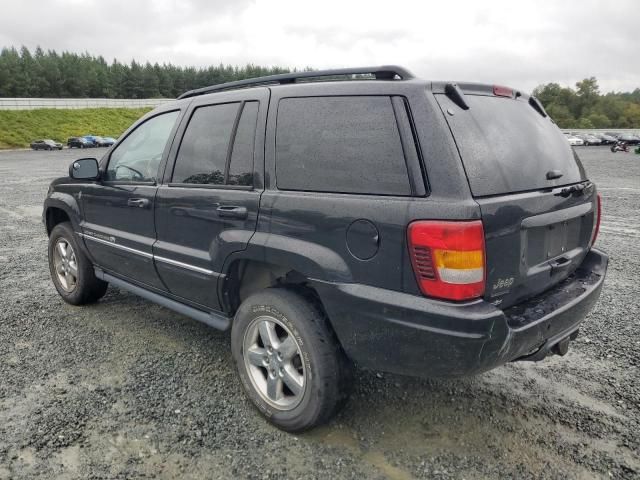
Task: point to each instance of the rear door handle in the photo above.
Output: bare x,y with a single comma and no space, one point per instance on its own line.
138,202
560,265
232,211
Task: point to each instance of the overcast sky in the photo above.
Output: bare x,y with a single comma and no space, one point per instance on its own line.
519,43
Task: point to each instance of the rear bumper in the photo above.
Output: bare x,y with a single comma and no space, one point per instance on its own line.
401,333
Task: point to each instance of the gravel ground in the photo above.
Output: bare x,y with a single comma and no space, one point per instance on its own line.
126,389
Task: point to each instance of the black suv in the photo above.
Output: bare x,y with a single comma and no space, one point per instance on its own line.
341,217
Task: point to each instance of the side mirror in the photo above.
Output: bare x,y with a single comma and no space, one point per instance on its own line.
84,169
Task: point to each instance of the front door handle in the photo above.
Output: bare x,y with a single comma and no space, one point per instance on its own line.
138,202
232,211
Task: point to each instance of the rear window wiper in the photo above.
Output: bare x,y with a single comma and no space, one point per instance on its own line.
535,103
579,189
455,93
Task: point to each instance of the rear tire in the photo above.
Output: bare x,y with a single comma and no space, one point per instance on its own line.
71,271
290,363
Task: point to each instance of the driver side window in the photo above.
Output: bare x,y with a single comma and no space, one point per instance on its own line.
137,158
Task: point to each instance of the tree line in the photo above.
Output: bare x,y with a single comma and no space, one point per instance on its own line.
70,75
586,107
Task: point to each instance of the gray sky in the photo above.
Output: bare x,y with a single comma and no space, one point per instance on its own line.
519,43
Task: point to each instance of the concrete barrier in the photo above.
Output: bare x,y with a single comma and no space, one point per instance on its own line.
65,103
633,131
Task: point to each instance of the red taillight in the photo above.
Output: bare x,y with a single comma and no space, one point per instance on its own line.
448,258
596,219
502,91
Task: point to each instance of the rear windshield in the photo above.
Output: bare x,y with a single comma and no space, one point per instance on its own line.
507,146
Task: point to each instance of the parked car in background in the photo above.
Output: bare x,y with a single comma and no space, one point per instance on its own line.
629,139
588,139
92,139
78,142
46,144
605,139
105,141
573,140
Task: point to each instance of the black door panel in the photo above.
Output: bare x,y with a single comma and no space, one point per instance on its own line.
119,226
194,239
120,236
207,207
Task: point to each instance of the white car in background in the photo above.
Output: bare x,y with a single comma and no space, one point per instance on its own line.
574,141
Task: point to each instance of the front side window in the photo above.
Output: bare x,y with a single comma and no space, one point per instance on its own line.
138,157
217,146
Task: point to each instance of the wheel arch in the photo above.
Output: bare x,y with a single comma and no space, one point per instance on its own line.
245,276
271,260
61,207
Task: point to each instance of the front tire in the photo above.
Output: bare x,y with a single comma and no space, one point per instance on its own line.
71,271
290,363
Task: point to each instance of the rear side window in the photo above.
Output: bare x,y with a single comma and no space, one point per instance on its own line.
340,144
241,166
217,146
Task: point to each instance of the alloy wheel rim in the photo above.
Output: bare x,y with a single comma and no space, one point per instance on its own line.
273,361
65,265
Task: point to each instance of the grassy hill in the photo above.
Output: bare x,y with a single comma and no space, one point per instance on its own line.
19,127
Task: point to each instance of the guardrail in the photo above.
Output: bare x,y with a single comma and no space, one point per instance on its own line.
65,103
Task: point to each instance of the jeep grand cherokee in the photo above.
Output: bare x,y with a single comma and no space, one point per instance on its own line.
371,218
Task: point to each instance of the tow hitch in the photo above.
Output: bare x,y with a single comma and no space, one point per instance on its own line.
551,347
562,347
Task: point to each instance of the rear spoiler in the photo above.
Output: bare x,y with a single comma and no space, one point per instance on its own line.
457,93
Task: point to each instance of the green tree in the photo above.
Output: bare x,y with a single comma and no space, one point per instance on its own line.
631,115
12,80
560,114
585,107
587,91
584,123
39,83
67,74
150,82
599,120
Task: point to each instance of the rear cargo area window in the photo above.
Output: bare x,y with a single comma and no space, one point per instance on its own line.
340,144
507,146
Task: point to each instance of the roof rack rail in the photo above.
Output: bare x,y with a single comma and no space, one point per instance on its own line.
387,72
